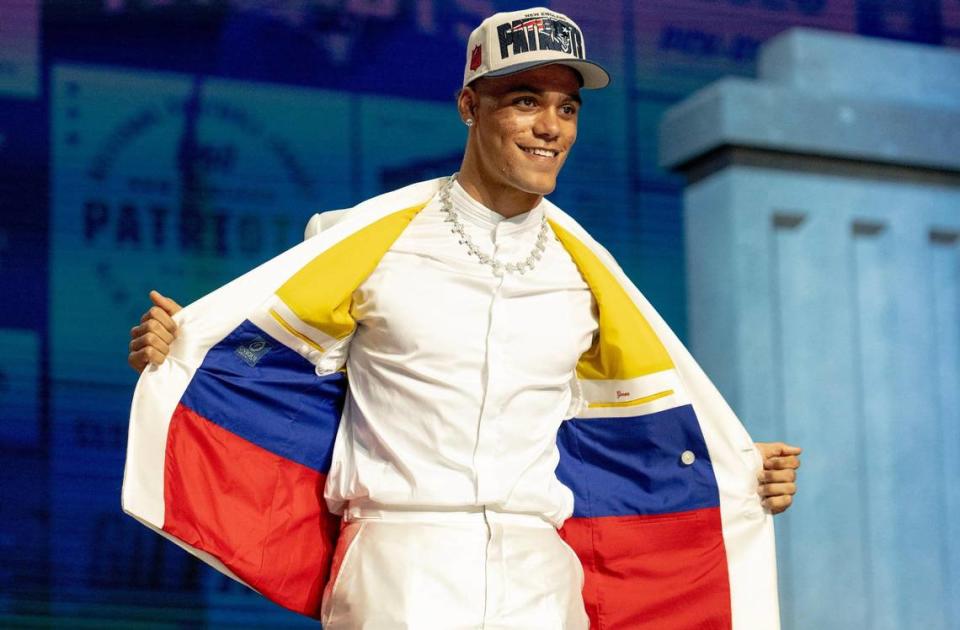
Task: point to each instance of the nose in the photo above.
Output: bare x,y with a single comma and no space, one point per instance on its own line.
547,125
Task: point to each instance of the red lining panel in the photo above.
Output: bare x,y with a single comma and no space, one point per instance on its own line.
665,571
260,514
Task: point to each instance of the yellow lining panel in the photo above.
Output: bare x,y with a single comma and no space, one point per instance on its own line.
320,293
634,402
627,347
293,331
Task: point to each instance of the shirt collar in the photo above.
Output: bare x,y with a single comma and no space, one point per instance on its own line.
475,213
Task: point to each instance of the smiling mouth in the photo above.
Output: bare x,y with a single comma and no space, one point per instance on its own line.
541,152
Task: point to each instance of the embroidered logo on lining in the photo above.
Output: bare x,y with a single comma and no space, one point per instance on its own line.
252,351
621,394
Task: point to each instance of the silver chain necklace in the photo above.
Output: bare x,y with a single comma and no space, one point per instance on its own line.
499,267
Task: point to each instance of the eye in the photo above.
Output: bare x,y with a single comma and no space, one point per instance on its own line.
525,101
569,109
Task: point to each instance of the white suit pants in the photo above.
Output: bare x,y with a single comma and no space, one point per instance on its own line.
451,571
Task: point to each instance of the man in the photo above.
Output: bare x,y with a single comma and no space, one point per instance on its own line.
478,327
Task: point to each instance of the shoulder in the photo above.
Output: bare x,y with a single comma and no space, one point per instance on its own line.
375,207
572,228
322,221
560,217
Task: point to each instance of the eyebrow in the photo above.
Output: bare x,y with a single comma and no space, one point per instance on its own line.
529,88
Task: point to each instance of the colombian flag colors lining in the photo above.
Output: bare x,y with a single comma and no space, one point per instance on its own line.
231,440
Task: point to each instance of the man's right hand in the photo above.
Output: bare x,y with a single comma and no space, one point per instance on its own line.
150,341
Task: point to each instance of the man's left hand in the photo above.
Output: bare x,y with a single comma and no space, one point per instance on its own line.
778,479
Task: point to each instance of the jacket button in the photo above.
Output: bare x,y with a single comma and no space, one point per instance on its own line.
687,457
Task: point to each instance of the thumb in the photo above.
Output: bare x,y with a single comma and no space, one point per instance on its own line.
164,302
787,449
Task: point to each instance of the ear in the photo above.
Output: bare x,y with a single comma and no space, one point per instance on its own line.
467,103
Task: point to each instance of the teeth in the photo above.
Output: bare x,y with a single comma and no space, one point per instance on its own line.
542,152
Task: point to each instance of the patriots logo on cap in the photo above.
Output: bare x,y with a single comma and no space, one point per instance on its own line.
528,39
475,57
561,34
539,33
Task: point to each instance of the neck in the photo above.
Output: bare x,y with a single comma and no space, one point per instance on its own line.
504,200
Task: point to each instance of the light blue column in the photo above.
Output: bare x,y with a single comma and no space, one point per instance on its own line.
822,224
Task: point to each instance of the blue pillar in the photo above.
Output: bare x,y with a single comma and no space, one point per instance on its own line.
822,225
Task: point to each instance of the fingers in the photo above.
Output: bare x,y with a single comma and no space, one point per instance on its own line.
777,489
775,449
139,359
150,340
788,475
781,463
160,316
149,346
156,329
164,302
787,449
777,480
778,504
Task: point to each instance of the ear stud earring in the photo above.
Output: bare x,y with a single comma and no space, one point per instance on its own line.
468,122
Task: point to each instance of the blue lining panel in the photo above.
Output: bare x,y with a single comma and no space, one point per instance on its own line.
259,389
632,466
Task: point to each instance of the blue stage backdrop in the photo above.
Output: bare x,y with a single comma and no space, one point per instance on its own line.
174,144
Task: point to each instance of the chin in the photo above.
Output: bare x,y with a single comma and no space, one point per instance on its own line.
538,184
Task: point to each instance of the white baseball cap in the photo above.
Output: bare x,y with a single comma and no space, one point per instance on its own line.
511,42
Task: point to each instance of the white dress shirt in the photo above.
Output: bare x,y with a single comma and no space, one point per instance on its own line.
459,379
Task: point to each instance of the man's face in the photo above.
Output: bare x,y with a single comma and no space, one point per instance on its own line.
526,124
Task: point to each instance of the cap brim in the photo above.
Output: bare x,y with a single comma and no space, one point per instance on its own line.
593,74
